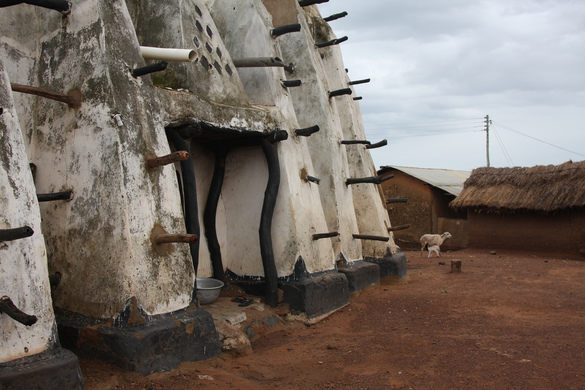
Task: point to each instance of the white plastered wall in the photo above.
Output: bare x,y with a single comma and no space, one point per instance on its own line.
245,27
23,263
313,106
99,241
372,218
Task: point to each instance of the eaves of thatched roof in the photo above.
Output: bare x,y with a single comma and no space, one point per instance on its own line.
541,188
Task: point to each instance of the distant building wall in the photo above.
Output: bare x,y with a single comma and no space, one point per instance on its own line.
427,211
563,232
417,211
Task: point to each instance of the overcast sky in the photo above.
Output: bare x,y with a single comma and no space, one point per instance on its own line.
439,66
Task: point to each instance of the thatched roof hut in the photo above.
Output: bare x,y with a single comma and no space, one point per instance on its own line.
541,188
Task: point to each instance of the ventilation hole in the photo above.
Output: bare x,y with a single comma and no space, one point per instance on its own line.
199,26
198,11
204,62
209,32
209,48
229,70
196,41
217,66
219,53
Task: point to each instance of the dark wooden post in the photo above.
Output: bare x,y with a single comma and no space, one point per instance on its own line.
181,155
355,142
313,179
210,213
9,308
304,3
373,180
369,237
62,6
259,62
363,81
270,195
331,42
340,92
156,67
174,238
319,236
16,233
455,266
335,16
307,132
73,98
377,144
291,83
65,195
289,28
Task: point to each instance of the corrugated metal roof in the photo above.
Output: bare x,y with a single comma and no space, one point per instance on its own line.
448,180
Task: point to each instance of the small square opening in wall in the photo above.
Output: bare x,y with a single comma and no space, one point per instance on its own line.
209,32
228,69
217,66
205,63
196,42
198,10
199,26
209,48
219,53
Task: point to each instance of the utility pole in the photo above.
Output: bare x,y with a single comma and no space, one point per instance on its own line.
487,138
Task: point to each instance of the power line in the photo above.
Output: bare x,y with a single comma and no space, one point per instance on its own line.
503,147
540,140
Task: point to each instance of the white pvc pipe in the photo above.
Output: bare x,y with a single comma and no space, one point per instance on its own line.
163,54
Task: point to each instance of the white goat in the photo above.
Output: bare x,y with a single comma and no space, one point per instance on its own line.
434,248
428,240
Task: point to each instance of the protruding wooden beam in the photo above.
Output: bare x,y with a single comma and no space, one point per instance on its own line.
313,179
399,199
16,233
291,83
355,142
340,92
289,28
62,6
369,237
174,238
399,227
156,67
384,142
306,132
276,136
335,16
357,98
73,98
319,236
373,180
259,62
180,155
304,3
64,195
332,42
363,81
9,308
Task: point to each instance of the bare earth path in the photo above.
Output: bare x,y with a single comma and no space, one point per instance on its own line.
508,321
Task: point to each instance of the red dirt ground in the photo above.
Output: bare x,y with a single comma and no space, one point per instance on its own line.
508,321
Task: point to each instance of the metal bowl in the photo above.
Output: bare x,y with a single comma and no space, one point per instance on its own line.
208,290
